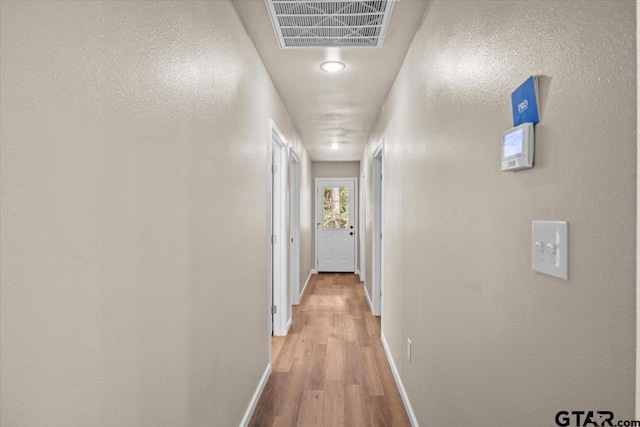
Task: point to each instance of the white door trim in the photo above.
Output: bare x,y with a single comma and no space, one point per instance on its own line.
294,226
377,265
362,221
278,226
318,221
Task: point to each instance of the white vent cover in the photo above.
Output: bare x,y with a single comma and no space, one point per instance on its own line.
329,23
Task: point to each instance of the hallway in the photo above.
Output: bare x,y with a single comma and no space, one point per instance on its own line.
173,175
331,368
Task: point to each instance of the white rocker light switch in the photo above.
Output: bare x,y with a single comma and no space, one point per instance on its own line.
549,248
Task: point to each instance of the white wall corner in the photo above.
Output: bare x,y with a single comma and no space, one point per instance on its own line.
311,273
289,323
256,396
366,293
403,392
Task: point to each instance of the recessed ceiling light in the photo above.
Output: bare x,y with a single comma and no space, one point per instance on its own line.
334,146
332,66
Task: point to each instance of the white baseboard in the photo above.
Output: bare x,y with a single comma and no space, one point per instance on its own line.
256,397
357,272
311,273
403,392
289,323
366,292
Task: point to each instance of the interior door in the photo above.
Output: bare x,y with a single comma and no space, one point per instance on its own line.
335,225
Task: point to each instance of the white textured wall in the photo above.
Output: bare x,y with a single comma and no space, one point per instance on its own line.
637,221
335,170
494,343
134,213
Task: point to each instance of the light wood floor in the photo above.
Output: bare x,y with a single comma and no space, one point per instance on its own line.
331,369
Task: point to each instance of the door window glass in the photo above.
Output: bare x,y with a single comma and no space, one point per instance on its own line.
336,207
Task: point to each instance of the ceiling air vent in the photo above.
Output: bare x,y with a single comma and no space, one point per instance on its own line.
329,23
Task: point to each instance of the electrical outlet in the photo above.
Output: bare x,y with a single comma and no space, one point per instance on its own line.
409,349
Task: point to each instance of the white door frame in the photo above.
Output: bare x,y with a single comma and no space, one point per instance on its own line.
362,221
318,219
279,236
294,226
377,265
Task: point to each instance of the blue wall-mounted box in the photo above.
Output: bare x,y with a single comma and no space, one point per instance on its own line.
524,102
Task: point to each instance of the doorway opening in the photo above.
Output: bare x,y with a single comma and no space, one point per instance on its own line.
377,267
361,269
294,232
336,220
279,309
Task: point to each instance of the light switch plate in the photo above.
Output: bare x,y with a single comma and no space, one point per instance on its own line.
549,248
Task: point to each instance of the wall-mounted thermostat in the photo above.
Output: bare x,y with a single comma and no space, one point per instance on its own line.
517,148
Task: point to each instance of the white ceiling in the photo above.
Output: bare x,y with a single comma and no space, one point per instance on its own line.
340,107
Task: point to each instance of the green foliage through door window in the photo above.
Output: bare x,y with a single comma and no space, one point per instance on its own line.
336,207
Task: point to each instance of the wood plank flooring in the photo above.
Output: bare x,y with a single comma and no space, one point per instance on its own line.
331,369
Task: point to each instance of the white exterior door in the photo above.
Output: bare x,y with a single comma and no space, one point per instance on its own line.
336,224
